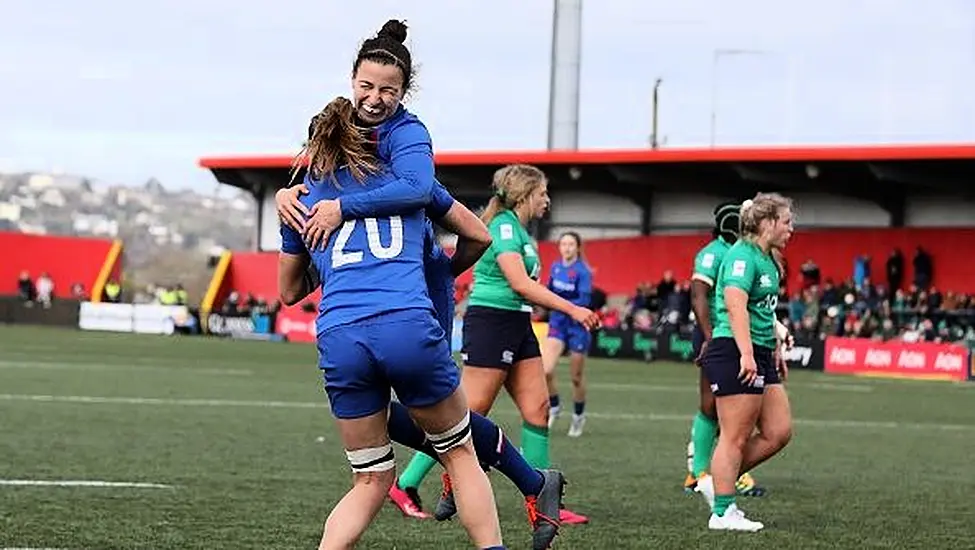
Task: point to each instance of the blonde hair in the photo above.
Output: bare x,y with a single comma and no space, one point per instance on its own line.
765,206
334,141
512,185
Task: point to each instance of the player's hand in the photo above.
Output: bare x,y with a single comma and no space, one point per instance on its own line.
290,209
586,317
324,217
781,365
749,369
700,356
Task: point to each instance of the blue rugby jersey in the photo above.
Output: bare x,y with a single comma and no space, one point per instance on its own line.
372,265
572,282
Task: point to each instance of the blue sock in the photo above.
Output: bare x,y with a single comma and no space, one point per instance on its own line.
404,431
492,447
496,450
496,548
553,401
580,407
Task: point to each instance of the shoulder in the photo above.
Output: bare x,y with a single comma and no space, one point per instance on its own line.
403,129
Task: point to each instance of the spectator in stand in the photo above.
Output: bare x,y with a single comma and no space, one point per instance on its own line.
797,309
665,288
810,274
895,270
78,292
861,270
112,292
231,306
45,290
831,295
923,268
25,289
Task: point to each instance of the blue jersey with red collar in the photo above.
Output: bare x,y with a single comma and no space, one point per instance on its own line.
572,281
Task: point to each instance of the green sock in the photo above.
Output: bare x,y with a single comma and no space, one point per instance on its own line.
416,470
722,502
703,432
534,445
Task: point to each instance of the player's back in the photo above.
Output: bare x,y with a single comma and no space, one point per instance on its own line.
372,265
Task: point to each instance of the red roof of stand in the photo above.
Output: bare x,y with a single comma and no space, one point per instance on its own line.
860,153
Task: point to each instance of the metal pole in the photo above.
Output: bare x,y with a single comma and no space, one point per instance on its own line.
656,101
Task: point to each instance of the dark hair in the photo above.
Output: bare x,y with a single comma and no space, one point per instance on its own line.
578,240
334,141
574,235
387,48
727,220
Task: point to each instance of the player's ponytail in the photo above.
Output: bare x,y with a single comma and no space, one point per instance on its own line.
335,141
765,206
512,185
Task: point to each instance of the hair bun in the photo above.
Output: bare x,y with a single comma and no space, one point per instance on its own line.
394,30
747,204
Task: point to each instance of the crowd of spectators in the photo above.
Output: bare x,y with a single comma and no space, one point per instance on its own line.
855,307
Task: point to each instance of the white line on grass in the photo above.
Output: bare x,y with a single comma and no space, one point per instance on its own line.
644,417
81,483
692,388
33,365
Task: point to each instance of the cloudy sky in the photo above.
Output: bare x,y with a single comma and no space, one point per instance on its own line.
122,91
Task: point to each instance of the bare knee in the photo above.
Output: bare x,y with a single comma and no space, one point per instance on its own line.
577,379
778,435
380,482
535,412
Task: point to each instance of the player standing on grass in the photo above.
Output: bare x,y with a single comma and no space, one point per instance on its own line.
707,263
376,331
500,347
542,488
570,278
743,361
372,297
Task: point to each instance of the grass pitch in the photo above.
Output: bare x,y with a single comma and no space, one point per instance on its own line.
240,439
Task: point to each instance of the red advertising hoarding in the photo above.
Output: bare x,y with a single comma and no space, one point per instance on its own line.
922,360
296,324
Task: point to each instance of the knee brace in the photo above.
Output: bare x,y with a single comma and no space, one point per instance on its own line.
373,459
454,437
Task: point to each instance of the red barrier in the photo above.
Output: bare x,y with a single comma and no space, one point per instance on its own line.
68,260
620,264
923,360
296,324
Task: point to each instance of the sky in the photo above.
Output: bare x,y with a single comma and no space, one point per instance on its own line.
124,91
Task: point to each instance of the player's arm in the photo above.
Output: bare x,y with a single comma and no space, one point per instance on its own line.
411,161
701,306
584,288
295,277
473,237
513,266
702,281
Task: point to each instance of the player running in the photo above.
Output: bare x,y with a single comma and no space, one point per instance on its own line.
500,348
742,360
570,278
704,429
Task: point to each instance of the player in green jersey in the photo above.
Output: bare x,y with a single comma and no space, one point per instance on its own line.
704,428
742,360
500,348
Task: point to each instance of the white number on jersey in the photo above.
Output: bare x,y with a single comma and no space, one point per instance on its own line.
341,257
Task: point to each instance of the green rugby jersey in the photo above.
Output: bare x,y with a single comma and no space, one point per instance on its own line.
491,289
707,263
747,267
